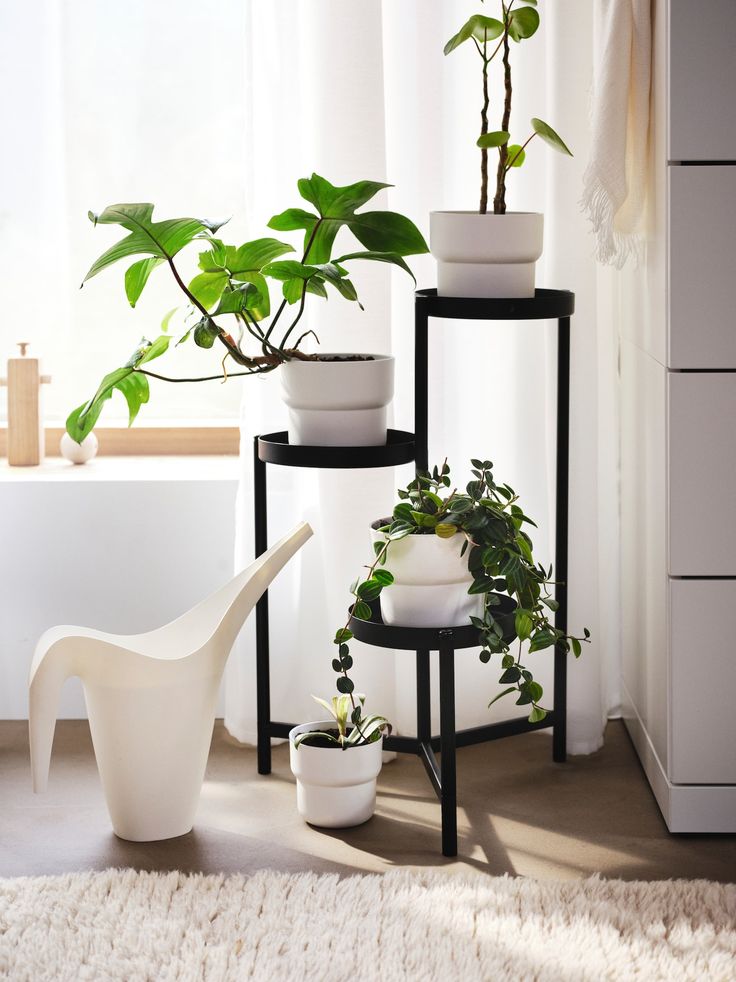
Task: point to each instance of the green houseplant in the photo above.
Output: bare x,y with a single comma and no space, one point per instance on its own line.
485,527
480,254
338,790
228,302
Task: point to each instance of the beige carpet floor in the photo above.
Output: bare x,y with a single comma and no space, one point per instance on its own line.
129,927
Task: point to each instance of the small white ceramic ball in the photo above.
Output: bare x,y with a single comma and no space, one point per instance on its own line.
78,453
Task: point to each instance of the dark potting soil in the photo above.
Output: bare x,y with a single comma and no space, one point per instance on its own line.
319,741
343,358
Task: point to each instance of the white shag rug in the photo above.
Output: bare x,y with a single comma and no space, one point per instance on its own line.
130,926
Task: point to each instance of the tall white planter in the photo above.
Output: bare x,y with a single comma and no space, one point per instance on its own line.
485,255
151,700
431,581
335,788
338,403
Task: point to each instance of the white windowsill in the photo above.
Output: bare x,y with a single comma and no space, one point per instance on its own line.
121,469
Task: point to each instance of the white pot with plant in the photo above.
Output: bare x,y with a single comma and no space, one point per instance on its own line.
336,763
486,525
333,399
338,399
431,579
493,255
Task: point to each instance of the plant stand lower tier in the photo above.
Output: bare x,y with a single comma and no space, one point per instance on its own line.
442,775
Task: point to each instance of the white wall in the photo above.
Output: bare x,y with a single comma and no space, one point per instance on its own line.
122,545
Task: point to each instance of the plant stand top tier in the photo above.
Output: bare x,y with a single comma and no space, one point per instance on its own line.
544,305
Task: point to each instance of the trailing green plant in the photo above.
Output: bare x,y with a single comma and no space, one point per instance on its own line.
519,21
228,301
345,710
500,559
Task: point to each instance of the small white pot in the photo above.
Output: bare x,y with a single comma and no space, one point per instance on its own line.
338,403
431,581
335,788
485,255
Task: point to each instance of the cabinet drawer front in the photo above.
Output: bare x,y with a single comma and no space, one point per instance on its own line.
702,473
703,682
702,248
702,80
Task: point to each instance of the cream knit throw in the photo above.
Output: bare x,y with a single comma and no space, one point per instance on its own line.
615,181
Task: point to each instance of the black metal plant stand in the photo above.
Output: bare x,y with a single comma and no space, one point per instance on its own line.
401,448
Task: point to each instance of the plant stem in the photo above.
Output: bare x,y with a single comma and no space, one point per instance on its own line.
280,311
205,378
298,317
510,164
483,130
499,202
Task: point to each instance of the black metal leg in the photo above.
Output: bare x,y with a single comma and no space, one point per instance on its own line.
424,707
559,731
421,384
263,680
448,775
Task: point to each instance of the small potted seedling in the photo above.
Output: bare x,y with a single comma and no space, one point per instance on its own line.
493,253
336,762
333,398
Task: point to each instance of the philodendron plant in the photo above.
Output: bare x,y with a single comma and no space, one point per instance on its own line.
352,728
228,301
500,560
519,21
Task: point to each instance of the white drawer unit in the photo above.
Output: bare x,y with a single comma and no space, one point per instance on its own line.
702,682
702,122
702,265
702,473
678,437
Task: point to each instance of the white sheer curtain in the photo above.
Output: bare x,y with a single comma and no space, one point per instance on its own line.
361,90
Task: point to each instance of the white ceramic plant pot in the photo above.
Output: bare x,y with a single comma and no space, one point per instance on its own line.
431,581
338,403
485,255
335,788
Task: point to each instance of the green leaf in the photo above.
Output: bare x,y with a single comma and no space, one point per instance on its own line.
136,277
379,257
523,624
369,590
167,319
576,647
523,23
535,690
537,714
384,577
161,239
362,611
445,530
541,640
131,384
345,685
480,27
343,635
504,692
149,351
485,656
377,231
336,665
293,219
516,155
205,333
545,131
208,287
388,232
495,139
289,269
510,675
